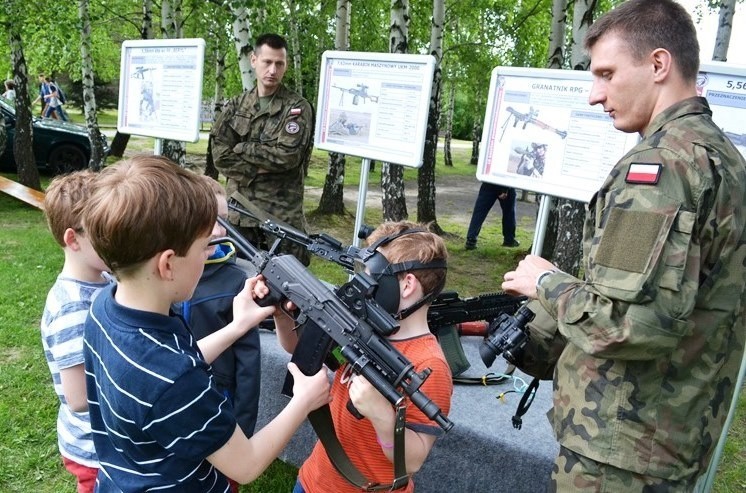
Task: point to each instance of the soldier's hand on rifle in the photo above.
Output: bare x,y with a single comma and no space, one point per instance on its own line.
368,401
523,279
311,392
246,312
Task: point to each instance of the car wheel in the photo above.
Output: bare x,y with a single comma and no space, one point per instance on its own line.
66,158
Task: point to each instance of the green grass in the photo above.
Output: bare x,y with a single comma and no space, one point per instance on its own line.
31,260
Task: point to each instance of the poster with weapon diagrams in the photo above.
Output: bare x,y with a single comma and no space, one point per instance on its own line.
540,134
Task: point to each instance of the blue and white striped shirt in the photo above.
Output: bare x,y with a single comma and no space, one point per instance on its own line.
155,411
65,311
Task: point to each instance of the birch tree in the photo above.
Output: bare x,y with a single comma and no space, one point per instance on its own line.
394,204
242,39
89,97
23,148
725,28
557,35
172,28
564,231
120,140
295,46
426,173
447,156
218,53
332,196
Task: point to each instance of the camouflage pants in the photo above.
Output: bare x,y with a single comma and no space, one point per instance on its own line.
574,473
262,240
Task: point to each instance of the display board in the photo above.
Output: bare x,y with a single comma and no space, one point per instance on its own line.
724,86
540,134
374,105
160,88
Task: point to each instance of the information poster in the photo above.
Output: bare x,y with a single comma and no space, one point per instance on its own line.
540,134
374,105
160,88
724,86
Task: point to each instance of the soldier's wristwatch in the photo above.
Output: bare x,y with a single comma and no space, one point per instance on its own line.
543,275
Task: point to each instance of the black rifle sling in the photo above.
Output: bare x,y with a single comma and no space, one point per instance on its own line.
526,400
321,420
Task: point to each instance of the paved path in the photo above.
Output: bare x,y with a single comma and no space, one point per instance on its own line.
454,197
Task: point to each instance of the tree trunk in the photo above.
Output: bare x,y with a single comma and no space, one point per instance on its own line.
3,134
582,18
447,156
120,140
557,36
476,137
426,174
394,204
725,28
564,230
89,97
332,196
172,28
244,44
217,108
295,47
146,29
23,148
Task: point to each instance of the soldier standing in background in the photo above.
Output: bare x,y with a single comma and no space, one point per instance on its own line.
654,334
262,143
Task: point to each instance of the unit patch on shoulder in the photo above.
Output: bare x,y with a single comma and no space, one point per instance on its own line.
644,173
292,127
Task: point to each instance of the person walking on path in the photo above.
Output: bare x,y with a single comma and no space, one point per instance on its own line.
489,193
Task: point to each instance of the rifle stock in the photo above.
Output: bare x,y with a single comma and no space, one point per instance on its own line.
349,317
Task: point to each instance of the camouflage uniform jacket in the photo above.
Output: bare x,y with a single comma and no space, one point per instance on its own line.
655,334
264,153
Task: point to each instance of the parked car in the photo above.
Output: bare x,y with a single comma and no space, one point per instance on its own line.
59,147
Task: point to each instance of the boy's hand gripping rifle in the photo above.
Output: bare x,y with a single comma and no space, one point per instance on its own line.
349,318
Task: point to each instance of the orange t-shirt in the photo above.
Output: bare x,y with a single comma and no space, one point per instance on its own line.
358,437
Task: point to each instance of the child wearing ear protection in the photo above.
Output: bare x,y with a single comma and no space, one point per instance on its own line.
409,264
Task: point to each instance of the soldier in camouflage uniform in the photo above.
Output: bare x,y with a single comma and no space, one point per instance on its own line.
654,335
262,143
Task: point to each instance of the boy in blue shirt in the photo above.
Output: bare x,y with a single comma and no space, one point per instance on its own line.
159,421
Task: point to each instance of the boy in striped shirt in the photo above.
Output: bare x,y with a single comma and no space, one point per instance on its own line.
64,316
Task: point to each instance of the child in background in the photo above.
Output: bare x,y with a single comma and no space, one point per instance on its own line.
409,264
159,420
63,320
237,370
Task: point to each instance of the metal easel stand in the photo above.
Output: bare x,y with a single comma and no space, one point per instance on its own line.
545,206
362,194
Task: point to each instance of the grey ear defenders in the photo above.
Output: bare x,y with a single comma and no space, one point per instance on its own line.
386,275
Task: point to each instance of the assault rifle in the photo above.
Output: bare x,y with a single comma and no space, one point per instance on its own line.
450,317
321,245
449,309
348,317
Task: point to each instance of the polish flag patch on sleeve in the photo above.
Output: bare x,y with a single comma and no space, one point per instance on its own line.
644,173
295,111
